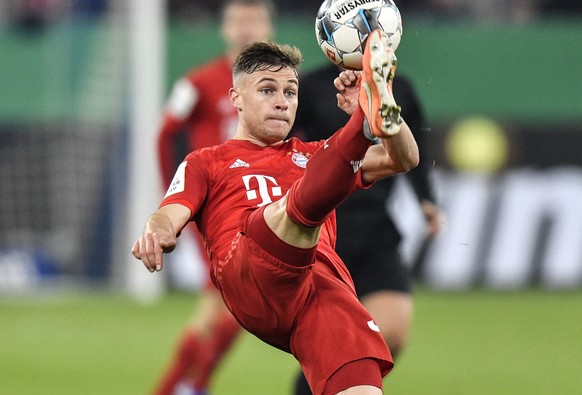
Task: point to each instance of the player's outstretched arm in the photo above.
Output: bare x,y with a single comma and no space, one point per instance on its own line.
160,235
395,154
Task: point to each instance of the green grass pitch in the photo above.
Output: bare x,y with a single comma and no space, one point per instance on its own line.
462,343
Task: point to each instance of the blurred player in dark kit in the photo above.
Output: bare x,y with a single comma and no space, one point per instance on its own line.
382,281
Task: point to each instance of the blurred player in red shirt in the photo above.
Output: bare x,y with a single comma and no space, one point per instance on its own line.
199,111
265,207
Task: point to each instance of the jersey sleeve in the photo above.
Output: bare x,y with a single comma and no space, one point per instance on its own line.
183,99
189,186
360,183
180,105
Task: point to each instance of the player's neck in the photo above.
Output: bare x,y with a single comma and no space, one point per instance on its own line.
241,135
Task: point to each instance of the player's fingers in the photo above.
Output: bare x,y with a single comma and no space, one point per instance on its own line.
159,260
148,255
341,100
138,251
158,252
163,246
339,85
348,77
135,250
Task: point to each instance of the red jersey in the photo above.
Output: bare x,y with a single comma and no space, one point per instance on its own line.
199,106
218,184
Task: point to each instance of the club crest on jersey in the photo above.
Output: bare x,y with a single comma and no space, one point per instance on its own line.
300,159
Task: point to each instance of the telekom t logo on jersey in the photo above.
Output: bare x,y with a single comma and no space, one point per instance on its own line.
266,187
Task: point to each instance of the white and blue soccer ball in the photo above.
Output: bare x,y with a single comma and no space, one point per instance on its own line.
342,26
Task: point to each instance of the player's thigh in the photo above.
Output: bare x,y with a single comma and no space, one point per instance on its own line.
393,313
333,329
264,293
287,230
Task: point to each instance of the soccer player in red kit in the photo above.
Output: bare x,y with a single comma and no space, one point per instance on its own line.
198,105
265,206
200,110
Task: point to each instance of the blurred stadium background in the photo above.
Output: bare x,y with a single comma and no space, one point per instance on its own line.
82,83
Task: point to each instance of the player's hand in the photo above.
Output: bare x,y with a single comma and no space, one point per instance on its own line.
150,249
348,86
433,217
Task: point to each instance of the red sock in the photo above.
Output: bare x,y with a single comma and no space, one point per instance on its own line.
187,349
195,358
330,175
226,332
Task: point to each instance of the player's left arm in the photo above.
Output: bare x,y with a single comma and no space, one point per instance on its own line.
395,154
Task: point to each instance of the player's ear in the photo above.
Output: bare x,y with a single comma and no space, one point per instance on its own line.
235,98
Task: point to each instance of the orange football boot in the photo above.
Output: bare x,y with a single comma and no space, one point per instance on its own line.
375,97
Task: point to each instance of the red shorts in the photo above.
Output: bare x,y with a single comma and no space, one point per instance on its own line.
308,311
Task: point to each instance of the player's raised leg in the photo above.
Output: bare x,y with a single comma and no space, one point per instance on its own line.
332,171
330,175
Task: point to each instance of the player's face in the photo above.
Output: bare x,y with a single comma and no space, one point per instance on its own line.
267,103
245,24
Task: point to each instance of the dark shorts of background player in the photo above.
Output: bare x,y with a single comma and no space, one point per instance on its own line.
372,257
